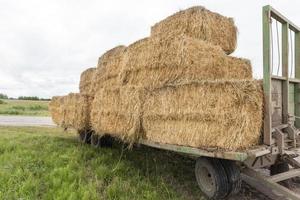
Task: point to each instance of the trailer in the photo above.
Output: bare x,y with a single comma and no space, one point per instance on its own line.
220,173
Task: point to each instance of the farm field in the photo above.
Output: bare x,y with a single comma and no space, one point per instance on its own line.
47,163
24,107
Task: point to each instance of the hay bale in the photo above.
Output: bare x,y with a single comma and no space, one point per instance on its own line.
112,57
200,23
86,81
116,111
56,109
208,114
76,111
108,69
153,62
71,111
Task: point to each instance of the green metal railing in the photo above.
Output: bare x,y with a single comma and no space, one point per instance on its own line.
290,85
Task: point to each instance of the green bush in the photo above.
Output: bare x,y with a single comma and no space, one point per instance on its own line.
38,107
18,108
10,112
28,98
3,96
2,102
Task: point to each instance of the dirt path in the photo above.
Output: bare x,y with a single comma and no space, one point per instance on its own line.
25,121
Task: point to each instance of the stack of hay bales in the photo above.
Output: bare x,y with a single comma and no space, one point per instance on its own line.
178,86
194,94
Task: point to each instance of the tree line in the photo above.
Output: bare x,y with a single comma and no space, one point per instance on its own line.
33,98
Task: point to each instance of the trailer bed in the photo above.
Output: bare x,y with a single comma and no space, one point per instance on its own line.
241,156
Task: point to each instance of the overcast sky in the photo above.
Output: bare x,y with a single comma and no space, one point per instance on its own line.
46,44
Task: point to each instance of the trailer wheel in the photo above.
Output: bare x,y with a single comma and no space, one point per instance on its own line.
233,176
211,178
95,140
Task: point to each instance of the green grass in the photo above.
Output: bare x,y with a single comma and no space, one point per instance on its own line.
24,107
47,163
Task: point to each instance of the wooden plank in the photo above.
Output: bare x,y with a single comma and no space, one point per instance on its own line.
230,155
275,188
284,176
276,104
274,77
279,140
260,187
292,98
297,76
293,80
285,72
267,76
282,19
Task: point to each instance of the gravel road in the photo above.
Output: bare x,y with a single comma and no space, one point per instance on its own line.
25,121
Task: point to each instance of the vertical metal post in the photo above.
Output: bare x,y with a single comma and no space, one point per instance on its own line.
285,71
297,76
267,75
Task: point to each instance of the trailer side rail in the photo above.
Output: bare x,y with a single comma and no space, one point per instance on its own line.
281,82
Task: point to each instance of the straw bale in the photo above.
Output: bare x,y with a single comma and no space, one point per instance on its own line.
56,109
112,57
71,111
208,114
153,62
116,111
86,81
200,23
109,67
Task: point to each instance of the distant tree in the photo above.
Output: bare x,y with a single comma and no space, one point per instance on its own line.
28,98
45,99
3,96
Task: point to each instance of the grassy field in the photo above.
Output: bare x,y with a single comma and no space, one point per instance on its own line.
47,163
24,107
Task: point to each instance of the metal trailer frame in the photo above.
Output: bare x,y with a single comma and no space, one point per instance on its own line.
281,120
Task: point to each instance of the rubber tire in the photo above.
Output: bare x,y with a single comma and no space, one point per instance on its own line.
233,175
280,168
218,174
95,141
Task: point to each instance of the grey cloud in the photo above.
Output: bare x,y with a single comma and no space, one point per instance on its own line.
45,45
